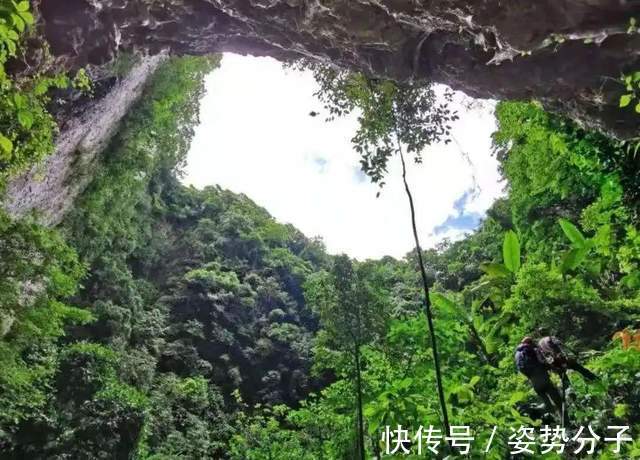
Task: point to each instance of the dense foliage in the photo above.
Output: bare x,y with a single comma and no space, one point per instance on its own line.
178,304
559,255
27,128
160,321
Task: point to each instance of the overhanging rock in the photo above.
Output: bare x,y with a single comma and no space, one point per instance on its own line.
568,54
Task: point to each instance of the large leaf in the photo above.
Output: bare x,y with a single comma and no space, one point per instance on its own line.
511,252
6,146
18,22
575,236
441,301
517,396
495,270
25,118
632,280
572,259
23,6
447,304
481,285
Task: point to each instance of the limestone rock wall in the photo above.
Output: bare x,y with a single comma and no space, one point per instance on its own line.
568,54
50,188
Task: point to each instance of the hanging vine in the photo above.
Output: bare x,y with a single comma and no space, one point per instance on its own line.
393,118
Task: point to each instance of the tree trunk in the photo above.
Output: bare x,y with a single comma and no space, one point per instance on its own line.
359,399
427,300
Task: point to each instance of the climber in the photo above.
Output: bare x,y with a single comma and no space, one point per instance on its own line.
530,362
552,352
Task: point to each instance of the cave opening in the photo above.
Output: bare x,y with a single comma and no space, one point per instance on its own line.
263,133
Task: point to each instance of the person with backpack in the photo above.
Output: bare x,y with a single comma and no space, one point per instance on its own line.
552,351
530,362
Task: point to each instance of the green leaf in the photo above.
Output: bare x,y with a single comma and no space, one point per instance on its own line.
25,118
20,101
632,280
370,411
23,6
372,426
27,18
572,259
465,394
595,268
495,270
625,100
449,305
405,383
620,410
6,145
638,107
511,251
11,47
441,301
481,285
575,236
517,396
18,22
41,88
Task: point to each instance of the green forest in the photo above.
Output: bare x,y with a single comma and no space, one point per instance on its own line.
160,321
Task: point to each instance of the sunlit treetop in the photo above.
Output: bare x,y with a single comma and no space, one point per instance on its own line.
389,114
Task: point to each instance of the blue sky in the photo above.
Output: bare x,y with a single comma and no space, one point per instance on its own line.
462,220
256,137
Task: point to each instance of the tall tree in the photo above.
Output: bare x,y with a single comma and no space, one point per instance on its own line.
394,118
352,316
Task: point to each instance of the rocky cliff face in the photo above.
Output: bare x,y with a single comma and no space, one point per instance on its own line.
51,188
568,54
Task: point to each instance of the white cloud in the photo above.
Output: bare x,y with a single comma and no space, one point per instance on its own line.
256,137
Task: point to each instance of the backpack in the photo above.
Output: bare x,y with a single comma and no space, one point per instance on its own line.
551,351
526,358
